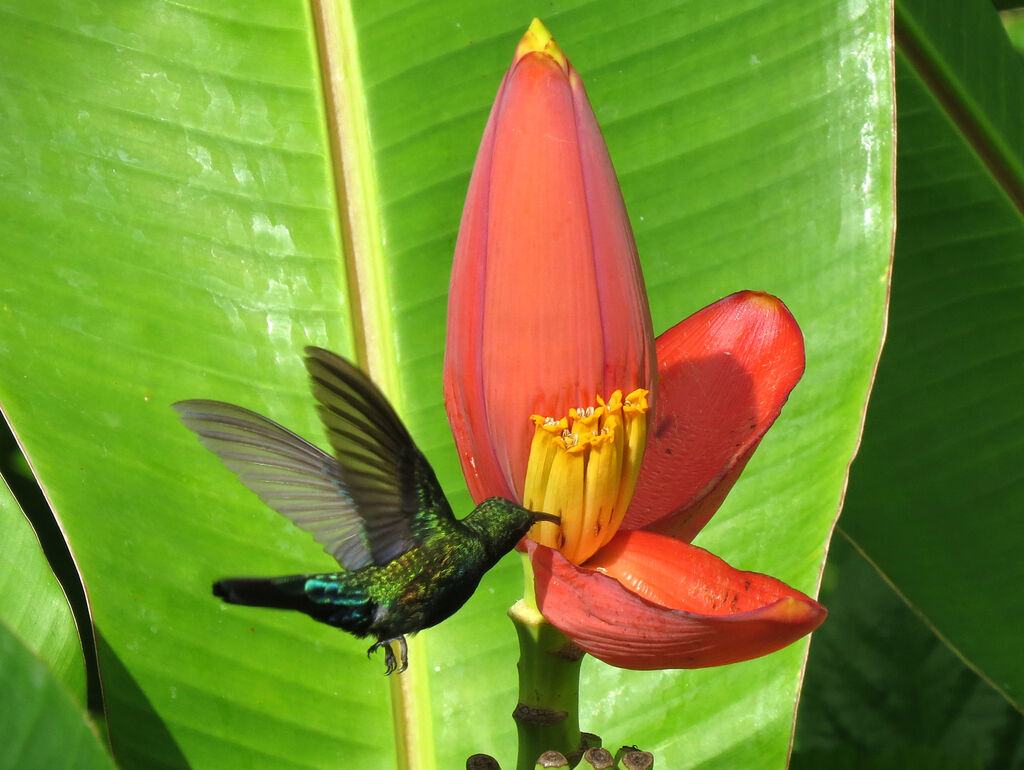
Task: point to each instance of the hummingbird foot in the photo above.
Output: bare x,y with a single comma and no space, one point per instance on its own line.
390,664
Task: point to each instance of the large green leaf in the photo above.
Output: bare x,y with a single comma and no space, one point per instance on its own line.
32,603
883,691
935,494
41,726
177,225
43,723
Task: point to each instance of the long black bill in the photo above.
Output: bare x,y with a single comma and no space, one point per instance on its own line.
538,516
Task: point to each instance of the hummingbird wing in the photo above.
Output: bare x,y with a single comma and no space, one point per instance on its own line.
395,489
289,474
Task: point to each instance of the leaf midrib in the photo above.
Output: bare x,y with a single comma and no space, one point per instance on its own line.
963,110
363,260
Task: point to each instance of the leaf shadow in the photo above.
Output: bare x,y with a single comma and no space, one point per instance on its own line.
139,738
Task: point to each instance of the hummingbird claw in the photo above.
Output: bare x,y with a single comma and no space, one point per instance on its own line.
405,653
390,664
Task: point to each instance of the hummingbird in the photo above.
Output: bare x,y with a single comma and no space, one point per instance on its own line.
375,505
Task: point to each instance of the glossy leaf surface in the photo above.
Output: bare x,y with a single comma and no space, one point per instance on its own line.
935,493
173,229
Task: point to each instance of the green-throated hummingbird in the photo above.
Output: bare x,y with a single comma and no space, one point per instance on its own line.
376,506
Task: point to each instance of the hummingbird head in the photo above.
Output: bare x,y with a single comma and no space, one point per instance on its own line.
501,524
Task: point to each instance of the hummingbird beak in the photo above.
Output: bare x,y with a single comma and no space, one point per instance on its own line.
538,516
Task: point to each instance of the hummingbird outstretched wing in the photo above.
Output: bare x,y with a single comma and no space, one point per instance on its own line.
366,503
397,493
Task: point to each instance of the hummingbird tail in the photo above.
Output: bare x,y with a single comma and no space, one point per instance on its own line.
285,593
328,598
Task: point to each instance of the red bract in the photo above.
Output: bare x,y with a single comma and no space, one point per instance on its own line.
648,601
547,307
725,373
727,370
549,385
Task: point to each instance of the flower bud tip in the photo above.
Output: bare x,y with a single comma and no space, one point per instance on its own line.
539,40
763,299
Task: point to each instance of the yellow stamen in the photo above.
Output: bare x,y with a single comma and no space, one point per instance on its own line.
614,425
585,420
564,492
634,412
600,490
584,470
542,453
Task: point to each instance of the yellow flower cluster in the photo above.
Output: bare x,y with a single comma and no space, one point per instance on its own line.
583,468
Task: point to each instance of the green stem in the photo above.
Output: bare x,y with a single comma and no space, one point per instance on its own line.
547,715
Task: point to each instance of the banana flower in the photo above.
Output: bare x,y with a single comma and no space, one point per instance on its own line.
559,396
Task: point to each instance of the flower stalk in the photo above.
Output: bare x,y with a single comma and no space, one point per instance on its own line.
547,714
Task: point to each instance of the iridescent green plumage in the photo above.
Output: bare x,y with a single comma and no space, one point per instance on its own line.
376,506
